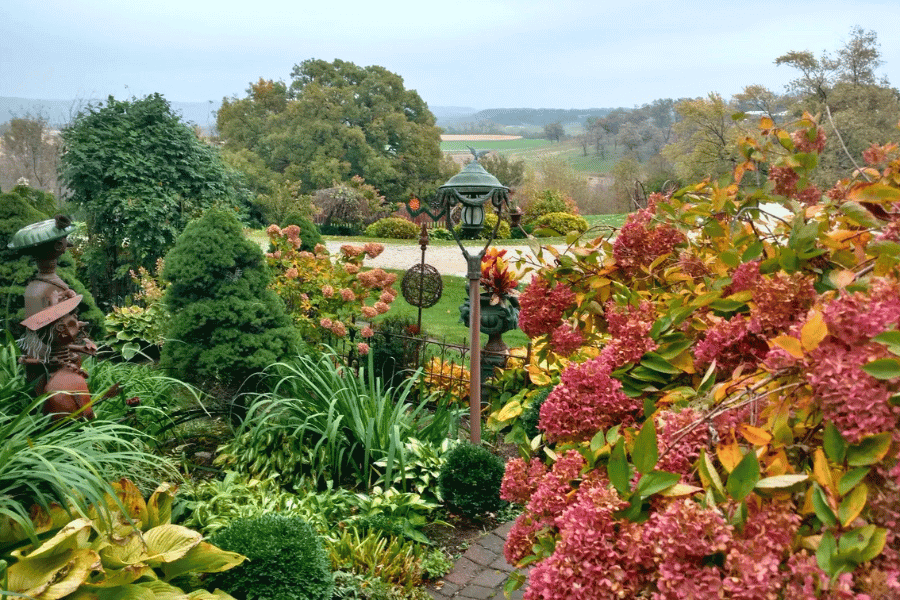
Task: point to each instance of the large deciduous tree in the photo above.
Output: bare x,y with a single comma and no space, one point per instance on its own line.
705,138
336,120
859,107
137,174
29,150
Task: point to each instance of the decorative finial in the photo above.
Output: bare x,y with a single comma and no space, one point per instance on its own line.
477,153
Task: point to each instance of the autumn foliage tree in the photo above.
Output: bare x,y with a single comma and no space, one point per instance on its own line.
726,404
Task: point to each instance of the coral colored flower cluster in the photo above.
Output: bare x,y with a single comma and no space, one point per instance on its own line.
785,180
325,296
641,240
586,400
566,339
542,308
743,278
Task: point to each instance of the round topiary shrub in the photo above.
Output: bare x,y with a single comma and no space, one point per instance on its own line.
309,233
470,480
287,560
559,223
394,228
227,325
548,201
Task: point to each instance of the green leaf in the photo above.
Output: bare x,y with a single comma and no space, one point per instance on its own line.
825,552
870,450
857,212
822,509
744,477
708,474
851,478
726,305
618,469
672,349
657,481
657,363
834,444
645,453
598,441
891,339
883,368
788,260
752,251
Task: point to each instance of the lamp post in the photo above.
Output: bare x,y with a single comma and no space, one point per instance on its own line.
472,188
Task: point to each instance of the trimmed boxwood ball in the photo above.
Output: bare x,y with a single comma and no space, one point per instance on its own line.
470,480
394,228
559,223
286,560
533,413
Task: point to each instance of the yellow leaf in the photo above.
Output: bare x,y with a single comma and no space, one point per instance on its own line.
684,362
510,411
813,331
729,455
680,489
842,278
853,504
821,472
766,123
754,435
789,344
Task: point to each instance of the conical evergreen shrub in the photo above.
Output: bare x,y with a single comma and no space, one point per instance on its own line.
227,325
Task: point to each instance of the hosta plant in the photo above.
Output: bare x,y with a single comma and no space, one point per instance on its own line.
133,555
735,435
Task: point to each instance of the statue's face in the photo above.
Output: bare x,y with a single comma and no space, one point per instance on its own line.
68,329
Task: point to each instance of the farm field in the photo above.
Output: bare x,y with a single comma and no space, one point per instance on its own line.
532,150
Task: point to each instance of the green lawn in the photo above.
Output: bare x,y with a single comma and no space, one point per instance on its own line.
505,146
441,321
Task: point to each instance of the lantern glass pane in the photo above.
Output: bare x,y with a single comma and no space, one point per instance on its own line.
472,216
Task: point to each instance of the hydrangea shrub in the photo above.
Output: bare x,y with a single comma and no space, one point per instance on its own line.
727,420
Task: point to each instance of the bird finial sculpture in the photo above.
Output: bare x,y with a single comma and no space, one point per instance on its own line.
477,153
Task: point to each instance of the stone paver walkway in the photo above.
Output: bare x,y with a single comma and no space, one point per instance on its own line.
480,573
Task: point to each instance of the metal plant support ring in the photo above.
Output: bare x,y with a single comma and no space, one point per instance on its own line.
422,285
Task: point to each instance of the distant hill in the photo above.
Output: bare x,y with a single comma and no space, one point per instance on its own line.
523,117
61,112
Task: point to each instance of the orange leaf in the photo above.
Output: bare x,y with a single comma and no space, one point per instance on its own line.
813,331
821,472
755,435
789,344
729,455
766,123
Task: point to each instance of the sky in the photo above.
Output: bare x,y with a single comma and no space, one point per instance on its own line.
479,54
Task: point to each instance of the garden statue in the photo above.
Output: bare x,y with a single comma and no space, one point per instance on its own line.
54,338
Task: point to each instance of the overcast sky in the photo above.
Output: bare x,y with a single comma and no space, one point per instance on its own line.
484,54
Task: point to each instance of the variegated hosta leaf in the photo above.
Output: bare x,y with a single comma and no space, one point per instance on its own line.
52,575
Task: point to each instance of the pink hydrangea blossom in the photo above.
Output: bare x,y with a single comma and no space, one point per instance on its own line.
327,291
373,249
586,400
778,301
368,312
338,329
731,344
273,230
366,332
803,143
291,273
362,348
347,295
554,492
642,240
542,308
681,435
381,308
566,339
325,322
521,479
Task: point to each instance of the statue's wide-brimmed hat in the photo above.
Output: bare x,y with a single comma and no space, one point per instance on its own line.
39,233
51,313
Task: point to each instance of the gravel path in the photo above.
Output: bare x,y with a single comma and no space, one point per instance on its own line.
448,260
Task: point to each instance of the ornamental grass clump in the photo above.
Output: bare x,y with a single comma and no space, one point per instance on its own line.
286,560
470,480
